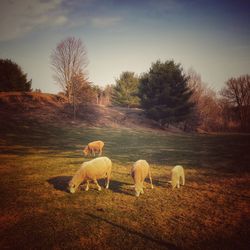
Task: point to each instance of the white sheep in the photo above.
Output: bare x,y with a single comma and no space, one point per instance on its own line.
140,170
93,147
177,174
95,169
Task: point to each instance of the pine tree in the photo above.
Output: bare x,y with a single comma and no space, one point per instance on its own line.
126,89
12,77
164,93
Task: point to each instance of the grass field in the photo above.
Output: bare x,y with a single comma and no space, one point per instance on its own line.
212,211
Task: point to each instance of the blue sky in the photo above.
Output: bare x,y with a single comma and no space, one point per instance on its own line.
212,37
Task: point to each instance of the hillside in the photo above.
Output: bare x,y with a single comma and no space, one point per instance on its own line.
54,108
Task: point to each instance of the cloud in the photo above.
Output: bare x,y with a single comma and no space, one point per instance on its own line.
104,22
60,20
17,18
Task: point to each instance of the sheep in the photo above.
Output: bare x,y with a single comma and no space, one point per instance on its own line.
92,147
95,169
177,173
140,170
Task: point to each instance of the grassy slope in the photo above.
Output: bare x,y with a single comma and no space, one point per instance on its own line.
37,161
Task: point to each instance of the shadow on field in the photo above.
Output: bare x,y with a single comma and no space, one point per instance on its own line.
159,183
60,182
166,244
118,187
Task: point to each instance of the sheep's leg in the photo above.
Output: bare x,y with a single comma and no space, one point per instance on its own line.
108,178
150,178
178,183
183,179
107,185
100,152
87,186
98,186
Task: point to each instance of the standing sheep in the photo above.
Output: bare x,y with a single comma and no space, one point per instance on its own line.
139,172
93,147
177,174
95,169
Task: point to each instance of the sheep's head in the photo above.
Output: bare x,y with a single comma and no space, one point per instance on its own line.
76,180
137,191
72,187
85,151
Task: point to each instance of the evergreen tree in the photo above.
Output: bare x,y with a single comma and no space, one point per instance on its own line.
126,89
12,77
164,93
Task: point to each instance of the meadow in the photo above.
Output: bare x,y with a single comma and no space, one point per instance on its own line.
212,211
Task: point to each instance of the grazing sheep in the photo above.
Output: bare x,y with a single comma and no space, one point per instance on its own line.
139,172
95,169
93,147
177,174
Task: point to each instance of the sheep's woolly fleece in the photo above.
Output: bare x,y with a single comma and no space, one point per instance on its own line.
92,170
93,147
140,170
177,174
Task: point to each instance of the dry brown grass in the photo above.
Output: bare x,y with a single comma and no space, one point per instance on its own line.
210,212
38,159
48,108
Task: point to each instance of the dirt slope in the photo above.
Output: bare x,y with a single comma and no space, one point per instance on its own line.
54,108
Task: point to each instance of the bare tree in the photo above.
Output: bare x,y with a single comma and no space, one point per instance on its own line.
195,83
103,95
207,111
228,115
108,90
237,92
67,60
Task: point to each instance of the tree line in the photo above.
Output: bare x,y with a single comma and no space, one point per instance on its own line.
165,92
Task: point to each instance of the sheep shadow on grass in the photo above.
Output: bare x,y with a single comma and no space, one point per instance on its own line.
116,186
60,182
121,187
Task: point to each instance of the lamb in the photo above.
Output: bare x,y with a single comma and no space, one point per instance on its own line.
95,169
177,174
93,147
140,170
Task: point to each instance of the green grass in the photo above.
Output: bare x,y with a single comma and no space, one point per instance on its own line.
37,212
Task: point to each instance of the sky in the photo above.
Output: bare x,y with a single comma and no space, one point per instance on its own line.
212,37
